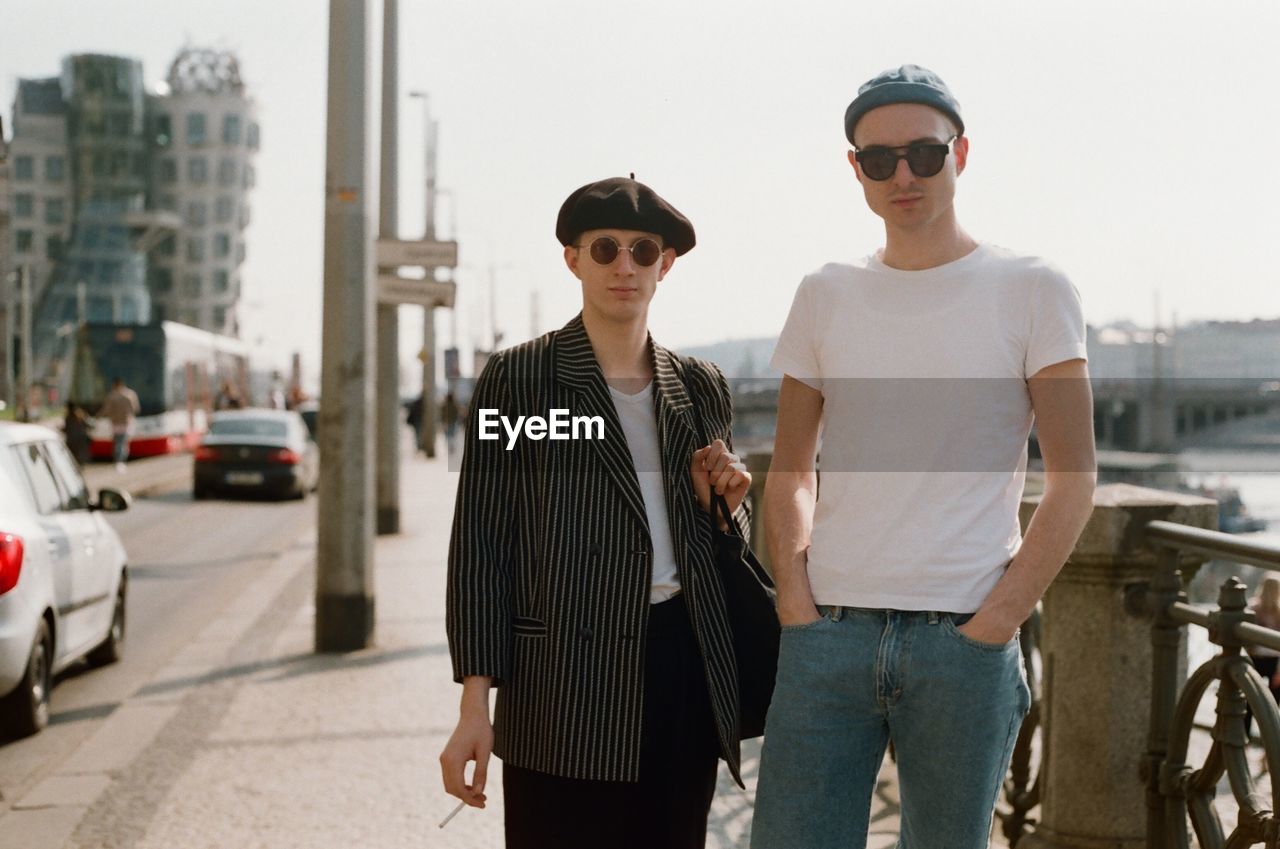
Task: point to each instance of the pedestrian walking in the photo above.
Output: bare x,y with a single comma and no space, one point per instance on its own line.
75,430
120,407
450,412
903,581
414,411
582,583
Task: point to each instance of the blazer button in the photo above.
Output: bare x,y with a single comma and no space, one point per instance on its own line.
584,632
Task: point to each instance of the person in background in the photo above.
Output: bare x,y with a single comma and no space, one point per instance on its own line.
120,407
450,412
75,430
413,417
1266,609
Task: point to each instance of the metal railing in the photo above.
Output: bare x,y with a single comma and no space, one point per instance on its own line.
1176,790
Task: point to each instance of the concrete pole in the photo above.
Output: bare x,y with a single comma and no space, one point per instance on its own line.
24,380
1097,658
344,556
9,396
429,313
388,319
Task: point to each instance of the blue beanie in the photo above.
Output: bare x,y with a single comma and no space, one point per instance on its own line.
907,84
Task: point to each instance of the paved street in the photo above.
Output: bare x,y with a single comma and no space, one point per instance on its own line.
223,729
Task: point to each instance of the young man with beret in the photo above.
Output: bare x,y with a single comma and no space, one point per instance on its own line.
581,576
903,581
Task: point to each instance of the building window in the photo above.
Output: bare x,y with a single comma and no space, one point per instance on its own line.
120,163
197,170
54,168
54,211
168,246
231,129
221,281
221,246
23,241
250,177
224,208
195,128
163,130
197,213
227,172
252,139
240,253
195,249
119,124
162,280
24,206
140,165
219,318
191,285
53,247
24,168
244,216
168,170
99,168
169,203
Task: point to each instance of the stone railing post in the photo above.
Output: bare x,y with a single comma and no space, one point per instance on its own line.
1098,673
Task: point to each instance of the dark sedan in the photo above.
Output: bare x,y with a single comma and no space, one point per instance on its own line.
266,452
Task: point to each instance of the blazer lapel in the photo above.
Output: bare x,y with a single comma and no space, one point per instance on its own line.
678,437
577,370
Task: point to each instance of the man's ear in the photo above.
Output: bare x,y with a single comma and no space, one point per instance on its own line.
961,148
668,260
571,258
853,162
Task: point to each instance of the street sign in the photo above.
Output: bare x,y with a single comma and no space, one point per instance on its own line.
406,290
393,253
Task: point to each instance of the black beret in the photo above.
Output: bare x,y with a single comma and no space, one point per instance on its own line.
906,84
621,203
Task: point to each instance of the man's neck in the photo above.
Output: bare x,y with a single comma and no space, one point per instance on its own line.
622,351
914,250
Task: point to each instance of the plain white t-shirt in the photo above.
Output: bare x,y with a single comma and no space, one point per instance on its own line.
925,419
640,426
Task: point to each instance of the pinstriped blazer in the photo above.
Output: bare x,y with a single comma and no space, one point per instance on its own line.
550,560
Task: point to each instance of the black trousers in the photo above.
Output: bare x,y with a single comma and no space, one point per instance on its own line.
667,808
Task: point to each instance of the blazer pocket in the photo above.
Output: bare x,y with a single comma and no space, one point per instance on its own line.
525,626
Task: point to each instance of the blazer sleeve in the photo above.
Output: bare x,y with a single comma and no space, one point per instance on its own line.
713,387
478,592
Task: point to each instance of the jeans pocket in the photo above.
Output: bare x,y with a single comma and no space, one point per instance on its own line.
952,627
824,616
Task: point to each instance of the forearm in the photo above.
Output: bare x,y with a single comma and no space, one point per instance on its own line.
1051,535
475,697
790,498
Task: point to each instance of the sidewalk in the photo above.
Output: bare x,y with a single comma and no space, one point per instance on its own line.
248,739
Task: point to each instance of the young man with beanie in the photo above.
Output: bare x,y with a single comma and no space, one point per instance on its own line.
582,583
902,582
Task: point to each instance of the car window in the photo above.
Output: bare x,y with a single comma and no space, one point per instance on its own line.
76,496
44,488
248,427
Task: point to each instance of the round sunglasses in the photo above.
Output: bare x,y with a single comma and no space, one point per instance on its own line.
925,159
604,250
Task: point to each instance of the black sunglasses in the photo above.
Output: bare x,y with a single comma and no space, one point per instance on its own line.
923,158
604,250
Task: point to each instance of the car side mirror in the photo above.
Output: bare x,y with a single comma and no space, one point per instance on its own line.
112,501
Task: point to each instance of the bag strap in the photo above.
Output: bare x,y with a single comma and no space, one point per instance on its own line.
719,507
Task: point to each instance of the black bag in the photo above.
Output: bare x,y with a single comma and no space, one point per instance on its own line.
751,602
752,606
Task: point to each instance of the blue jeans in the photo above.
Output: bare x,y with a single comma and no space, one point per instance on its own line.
120,447
857,678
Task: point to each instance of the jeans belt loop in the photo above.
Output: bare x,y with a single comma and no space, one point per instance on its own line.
934,616
836,612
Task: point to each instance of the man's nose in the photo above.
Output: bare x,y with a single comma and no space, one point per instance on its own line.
902,174
624,264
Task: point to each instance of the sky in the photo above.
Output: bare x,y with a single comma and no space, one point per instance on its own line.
1133,144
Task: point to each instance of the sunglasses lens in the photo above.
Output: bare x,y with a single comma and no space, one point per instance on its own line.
645,252
926,160
604,250
878,164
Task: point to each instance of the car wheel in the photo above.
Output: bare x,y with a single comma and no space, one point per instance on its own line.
26,709
111,649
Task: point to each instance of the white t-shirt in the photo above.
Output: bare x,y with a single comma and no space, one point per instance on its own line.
640,426
926,415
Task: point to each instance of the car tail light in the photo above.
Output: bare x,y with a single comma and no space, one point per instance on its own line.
10,561
285,456
206,455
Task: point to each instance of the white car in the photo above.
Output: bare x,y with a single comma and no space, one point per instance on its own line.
63,575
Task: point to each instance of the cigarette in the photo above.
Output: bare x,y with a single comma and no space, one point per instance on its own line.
452,814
